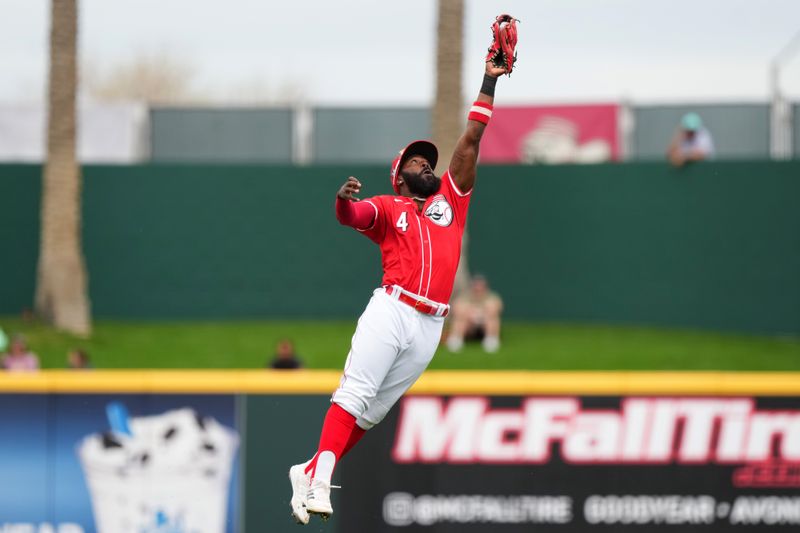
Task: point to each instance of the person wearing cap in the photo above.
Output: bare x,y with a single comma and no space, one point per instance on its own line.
476,316
692,142
419,230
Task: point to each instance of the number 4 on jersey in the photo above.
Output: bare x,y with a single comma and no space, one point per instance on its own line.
402,223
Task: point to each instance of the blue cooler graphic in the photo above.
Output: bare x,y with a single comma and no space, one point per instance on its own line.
166,473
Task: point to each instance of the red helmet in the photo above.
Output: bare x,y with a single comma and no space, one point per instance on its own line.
424,148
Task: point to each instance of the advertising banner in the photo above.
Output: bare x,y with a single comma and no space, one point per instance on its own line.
578,464
123,463
552,134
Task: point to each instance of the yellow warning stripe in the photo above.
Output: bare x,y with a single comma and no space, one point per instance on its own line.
432,382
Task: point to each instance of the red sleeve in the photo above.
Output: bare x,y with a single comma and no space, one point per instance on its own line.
358,215
377,231
458,199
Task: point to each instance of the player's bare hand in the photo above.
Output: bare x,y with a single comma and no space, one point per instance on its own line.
350,188
493,70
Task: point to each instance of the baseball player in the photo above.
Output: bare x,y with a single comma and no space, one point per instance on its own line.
419,232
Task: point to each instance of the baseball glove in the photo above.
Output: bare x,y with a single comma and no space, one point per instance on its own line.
503,51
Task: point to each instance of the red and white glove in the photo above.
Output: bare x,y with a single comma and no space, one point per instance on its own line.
503,50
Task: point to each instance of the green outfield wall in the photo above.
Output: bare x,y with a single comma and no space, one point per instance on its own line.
713,246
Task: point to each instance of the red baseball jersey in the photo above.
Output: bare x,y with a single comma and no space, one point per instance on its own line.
420,250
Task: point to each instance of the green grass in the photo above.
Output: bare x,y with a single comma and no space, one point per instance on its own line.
324,344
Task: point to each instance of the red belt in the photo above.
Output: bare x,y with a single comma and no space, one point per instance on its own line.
417,304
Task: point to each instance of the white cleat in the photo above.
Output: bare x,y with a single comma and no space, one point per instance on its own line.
300,484
318,500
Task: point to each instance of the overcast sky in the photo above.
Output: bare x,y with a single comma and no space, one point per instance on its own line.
358,52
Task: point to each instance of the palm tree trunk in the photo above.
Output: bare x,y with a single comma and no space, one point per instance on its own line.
448,108
61,290
448,119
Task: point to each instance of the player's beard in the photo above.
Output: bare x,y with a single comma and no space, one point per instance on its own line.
422,184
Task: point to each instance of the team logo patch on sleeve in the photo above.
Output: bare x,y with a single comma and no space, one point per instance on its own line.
440,211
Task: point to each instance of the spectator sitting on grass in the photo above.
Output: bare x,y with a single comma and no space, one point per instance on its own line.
19,358
78,359
476,316
285,356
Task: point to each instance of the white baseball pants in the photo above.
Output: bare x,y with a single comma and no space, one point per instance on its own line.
391,347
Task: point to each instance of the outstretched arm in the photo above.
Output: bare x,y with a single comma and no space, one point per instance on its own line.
349,210
465,156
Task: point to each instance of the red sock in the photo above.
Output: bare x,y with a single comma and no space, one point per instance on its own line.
339,434
355,436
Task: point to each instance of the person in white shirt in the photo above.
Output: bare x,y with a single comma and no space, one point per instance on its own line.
692,142
19,358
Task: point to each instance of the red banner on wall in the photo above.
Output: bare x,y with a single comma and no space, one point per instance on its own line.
552,134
